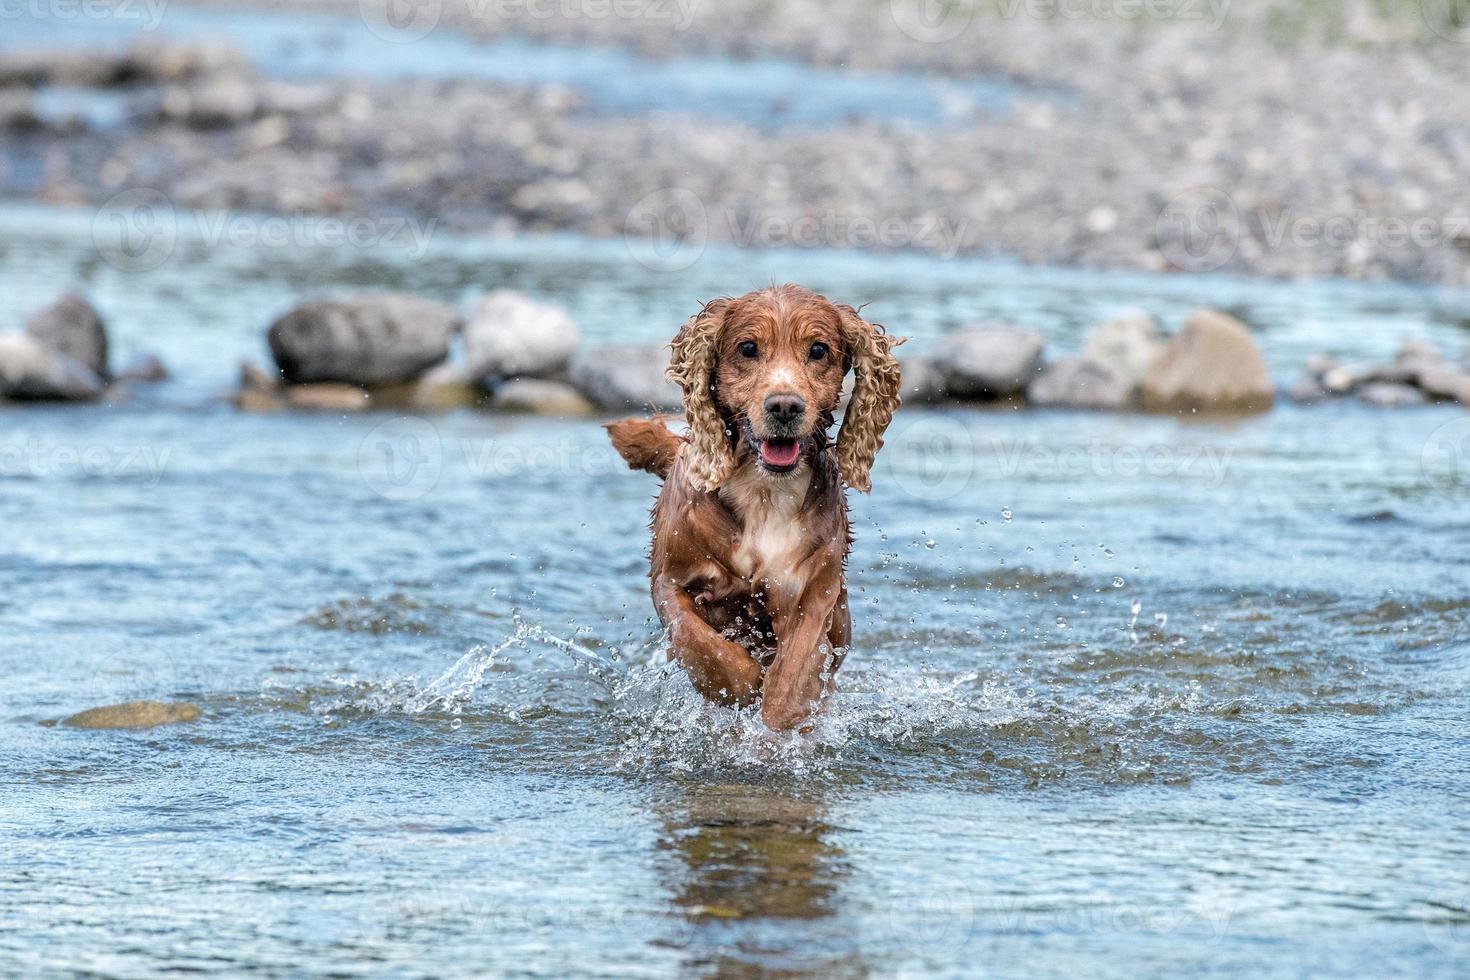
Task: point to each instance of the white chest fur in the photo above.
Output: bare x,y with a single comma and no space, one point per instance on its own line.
771,540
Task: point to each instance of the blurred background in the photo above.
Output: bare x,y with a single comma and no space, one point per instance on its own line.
1163,629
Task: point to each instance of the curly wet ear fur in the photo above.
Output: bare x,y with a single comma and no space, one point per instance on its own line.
874,397
692,368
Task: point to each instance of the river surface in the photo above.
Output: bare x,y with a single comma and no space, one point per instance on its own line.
1128,696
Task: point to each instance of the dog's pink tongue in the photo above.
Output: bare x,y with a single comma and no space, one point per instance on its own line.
780,452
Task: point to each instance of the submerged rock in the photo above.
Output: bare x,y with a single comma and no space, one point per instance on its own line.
446,388
989,362
31,371
1211,365
368,339
1387,394
72,326
511,335
541,397
327,396
145,369
627,378
134,714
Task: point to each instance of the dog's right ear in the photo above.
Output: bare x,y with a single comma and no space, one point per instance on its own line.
692,367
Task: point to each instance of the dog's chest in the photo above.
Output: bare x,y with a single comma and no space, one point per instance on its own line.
770,543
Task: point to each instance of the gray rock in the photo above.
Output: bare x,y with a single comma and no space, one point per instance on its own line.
213,103
1211,365
1445,382
1319,364
626,378
1308,391
923,382
72,326
368,339
989,362
134,714
511,335
1386,394
31,371
18,112
145,368
1081,382
538,396
1127,345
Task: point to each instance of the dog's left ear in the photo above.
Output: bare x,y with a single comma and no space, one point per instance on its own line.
874,396
692,367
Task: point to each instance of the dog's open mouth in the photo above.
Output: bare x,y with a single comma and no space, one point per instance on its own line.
779,454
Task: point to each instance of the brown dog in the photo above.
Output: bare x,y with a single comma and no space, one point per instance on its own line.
750,532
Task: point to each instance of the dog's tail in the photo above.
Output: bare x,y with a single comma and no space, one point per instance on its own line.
645,444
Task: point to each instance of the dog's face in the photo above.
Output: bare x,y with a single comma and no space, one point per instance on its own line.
762,375
778,374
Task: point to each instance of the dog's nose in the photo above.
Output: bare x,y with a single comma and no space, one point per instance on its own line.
785,408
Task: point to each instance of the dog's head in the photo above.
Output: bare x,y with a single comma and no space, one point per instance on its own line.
762,376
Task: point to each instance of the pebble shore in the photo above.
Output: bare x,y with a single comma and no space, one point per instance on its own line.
1184,145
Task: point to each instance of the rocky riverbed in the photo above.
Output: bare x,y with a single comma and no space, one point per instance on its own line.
1189,144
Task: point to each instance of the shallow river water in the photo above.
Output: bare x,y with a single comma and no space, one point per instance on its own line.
1127,695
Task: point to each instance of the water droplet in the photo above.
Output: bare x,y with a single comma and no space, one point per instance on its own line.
1005,512
1118,582
455,724
929,544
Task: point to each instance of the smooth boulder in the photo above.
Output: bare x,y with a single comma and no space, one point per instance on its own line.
1211,365
626,378
72,326
922,381
1080,382
989,362
369,339
509,334
538,396
134,714
1127,344
31,371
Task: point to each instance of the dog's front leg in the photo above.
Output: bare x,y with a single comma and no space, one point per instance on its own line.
804,651
720,669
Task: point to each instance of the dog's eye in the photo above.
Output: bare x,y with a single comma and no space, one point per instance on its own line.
818,351
747,348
